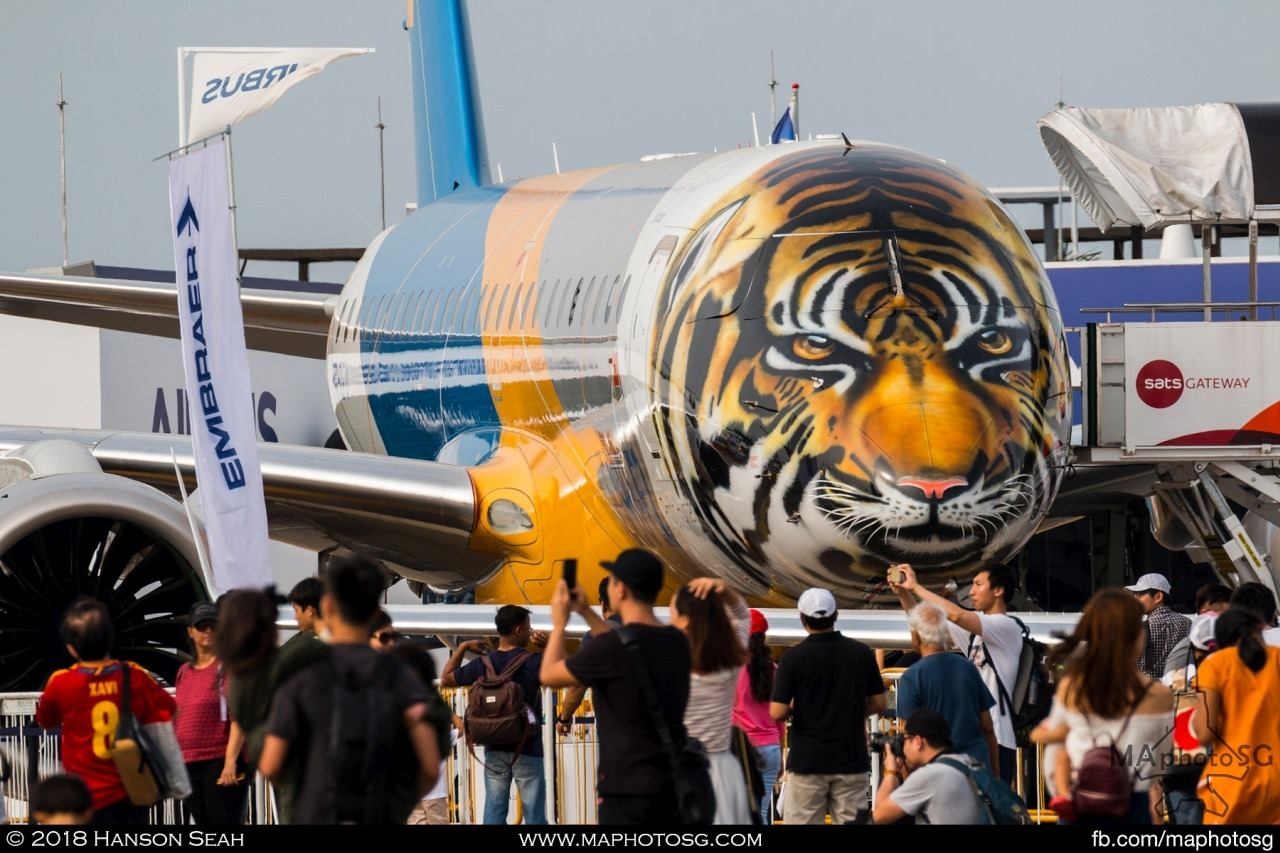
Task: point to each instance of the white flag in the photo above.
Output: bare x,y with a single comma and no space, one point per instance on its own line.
223,436
220,86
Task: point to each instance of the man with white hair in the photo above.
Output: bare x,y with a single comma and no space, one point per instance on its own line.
944,681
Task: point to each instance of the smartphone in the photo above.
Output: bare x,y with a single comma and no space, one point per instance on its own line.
571,573
896,575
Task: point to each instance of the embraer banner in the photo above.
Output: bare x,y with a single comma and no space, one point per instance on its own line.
221,86
1202,384
217,369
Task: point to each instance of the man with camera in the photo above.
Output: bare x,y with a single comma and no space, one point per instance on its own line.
916,784
988,636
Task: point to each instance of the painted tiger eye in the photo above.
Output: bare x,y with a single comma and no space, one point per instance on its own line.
813,347
995,342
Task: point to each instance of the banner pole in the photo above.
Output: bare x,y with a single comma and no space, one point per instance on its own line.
231,205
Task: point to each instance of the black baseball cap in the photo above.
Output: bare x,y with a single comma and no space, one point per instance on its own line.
930,725
202,611
639,570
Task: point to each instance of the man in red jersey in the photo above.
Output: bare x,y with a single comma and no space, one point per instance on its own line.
85,701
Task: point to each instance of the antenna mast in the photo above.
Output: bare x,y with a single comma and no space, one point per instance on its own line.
773,94
62,145
382,169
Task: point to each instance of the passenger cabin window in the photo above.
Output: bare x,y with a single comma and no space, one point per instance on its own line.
415,325
403,304
344,320
525,318
515,303
622,299
551,304
606,303
471,311
592,299
367,309
571,298
491,296
428,313
384,314
453,319
442,311
502,303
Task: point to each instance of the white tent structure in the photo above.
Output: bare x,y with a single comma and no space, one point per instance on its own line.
1203,165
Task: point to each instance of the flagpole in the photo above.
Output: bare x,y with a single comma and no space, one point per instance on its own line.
231,205
795,109
62,144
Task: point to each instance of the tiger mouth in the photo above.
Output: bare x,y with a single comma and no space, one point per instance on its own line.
892,522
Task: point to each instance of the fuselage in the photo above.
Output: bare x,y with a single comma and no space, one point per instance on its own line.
788,366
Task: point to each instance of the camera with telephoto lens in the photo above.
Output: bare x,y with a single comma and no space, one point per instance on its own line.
879,740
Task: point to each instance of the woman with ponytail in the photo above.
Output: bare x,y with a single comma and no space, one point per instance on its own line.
751,709
1237,716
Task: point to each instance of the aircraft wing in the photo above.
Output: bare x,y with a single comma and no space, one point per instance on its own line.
318,498
275,321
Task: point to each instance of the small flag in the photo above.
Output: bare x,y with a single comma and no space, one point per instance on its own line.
784,130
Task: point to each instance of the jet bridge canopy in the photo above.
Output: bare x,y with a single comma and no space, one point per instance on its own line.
1158,166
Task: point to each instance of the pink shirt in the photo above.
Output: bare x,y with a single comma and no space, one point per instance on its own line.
753,717
202,724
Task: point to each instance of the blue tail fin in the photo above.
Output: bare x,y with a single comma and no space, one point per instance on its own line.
447,123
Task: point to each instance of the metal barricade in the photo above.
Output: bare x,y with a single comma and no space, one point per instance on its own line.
569,769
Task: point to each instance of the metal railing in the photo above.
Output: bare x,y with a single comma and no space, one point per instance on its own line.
569,769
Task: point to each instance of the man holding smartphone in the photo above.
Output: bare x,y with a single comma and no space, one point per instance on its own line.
634,774
987,635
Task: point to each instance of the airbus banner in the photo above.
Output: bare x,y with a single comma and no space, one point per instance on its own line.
216,367
221,86
1202,384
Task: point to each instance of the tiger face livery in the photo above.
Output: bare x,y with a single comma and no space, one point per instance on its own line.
859,361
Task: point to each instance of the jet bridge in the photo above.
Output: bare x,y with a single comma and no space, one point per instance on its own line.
1187,415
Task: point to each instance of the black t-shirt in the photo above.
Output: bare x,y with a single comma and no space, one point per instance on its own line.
301,714
633,761
830,677
528,679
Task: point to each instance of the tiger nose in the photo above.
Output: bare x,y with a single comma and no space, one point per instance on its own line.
933,489
930,445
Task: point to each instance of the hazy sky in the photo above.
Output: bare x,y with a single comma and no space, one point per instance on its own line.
606,81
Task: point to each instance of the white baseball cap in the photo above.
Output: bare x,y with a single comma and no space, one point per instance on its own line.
1202,631
817,603
1151,581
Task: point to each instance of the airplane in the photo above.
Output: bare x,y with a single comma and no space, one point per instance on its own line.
785,366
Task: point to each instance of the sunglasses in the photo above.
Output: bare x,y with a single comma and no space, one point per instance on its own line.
387,637
206,626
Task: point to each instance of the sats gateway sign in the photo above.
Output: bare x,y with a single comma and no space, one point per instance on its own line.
1202,384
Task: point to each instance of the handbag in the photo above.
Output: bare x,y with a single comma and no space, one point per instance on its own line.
751,764
147,756
690,766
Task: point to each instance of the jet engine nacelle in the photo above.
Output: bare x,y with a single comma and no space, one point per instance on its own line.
69,529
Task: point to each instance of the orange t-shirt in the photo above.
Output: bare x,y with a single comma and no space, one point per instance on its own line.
1241,781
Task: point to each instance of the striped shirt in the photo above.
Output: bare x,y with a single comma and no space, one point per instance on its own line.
708,716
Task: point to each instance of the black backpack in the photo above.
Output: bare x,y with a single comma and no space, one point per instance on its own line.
1030,696
366,743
